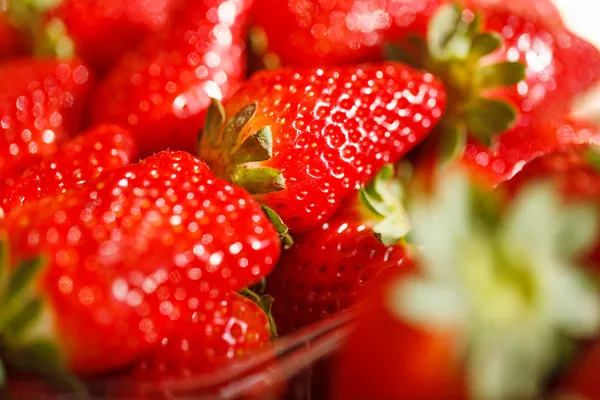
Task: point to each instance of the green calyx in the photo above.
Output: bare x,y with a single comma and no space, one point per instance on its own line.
23,319
240,154
506,280
453,51
265,302
383,197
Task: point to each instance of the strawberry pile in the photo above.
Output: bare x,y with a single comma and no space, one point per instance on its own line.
180,181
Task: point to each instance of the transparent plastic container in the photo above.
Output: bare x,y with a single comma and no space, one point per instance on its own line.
295,367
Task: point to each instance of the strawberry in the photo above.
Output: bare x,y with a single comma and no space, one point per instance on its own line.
100,149
41,103
106,270
219,332
102,31
329,268
302,140
496,303
318,33
161,90
507,70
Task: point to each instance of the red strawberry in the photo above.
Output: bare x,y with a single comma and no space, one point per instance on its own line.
41,103
507,70
302,140
102,31
496,302
329,268
581,378
124,258
162,89
219,332
315,32
100,149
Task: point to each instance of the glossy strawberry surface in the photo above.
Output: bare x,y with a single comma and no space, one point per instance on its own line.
103,31
161,90
558,66
100,149
129,254
219,332
332,130
41,103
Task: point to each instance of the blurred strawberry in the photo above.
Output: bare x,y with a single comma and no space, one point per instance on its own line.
319,33
161,90
511,72
302,140
102,31
41,104
498,300
328,269
96,277
100,149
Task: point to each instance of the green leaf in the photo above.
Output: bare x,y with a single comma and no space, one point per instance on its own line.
373,194
453,142
21,278
282,229
215,118
266,303
442,28
256,147
500,74
488,117
234,127
393,228
484,44
18,323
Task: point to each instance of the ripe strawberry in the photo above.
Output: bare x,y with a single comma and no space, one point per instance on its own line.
103,31
302,140
41,103
123,258
161,90
507,70
495,304
329,268
318,33
102,148
581,378
220,332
